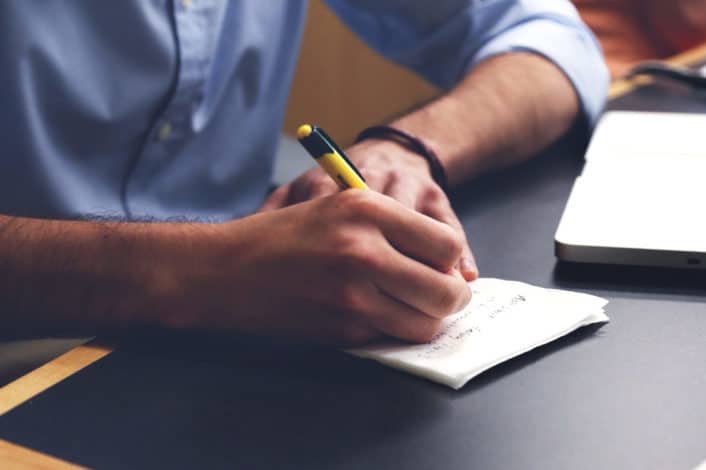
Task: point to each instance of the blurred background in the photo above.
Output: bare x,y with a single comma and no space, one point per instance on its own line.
345,86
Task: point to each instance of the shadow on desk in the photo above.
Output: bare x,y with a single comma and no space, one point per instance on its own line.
630,279
189,400
206,401
583,334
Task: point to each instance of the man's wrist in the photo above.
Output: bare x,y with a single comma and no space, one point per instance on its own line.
375,152
175,254
411,143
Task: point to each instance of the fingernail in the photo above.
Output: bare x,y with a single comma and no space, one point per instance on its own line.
468,269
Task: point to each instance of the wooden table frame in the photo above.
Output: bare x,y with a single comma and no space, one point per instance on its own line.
33,383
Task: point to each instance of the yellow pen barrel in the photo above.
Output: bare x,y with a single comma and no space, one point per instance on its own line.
340,171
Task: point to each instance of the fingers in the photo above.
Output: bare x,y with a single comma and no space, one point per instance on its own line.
420,236
427,290
399,320
277,200
398,297
434,204
440,209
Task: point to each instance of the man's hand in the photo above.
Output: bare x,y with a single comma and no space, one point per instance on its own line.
389,169
505,110
341,269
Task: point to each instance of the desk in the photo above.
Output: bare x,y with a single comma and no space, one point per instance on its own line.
629,395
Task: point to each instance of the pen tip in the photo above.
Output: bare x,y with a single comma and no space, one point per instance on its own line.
304,131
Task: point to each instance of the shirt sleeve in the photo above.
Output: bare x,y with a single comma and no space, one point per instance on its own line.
443,39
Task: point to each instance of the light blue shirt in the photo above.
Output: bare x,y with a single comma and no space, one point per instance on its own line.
172,108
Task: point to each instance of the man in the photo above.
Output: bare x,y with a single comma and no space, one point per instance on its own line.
164,116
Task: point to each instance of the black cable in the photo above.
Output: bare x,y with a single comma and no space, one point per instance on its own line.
691,77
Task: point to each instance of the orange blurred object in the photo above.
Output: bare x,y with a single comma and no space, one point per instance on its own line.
631,31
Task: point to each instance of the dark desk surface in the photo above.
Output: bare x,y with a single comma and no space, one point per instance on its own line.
628,395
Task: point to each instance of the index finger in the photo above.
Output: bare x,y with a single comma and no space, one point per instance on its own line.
443,212
419,236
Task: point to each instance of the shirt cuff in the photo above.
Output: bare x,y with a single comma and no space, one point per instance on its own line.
574,51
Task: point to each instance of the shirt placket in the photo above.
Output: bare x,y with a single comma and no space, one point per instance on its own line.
193,24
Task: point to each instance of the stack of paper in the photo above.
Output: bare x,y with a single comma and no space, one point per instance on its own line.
504,319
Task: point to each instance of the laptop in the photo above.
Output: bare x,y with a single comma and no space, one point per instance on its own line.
641,198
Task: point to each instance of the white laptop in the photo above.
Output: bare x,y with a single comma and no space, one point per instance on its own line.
641,198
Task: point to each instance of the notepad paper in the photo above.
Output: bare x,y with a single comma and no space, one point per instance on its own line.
503,320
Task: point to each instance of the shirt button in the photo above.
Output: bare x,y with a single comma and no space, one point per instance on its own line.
165,131
186,3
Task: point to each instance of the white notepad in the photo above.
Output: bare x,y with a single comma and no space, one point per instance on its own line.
504,319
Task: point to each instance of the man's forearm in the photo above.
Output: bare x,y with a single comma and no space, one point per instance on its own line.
504,111
87,274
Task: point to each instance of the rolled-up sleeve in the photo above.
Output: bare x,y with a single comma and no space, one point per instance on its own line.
443,39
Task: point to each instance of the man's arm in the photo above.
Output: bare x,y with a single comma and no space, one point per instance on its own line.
364,273
64,274
519,73
503,112
506,110
444,40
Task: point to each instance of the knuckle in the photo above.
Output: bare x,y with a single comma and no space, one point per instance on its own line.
351,299
358,253
358,203
446,305
452,299
393,176
345,242
372,172
378,178
367,256
452,242
426,332
434,195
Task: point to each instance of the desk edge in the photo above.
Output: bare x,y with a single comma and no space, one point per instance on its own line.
19,458
42,378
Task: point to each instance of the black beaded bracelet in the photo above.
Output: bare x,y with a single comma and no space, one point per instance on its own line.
411,143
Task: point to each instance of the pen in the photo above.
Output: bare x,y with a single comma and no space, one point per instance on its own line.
330,157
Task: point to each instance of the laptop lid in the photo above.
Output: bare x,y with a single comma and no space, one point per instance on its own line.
641,198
